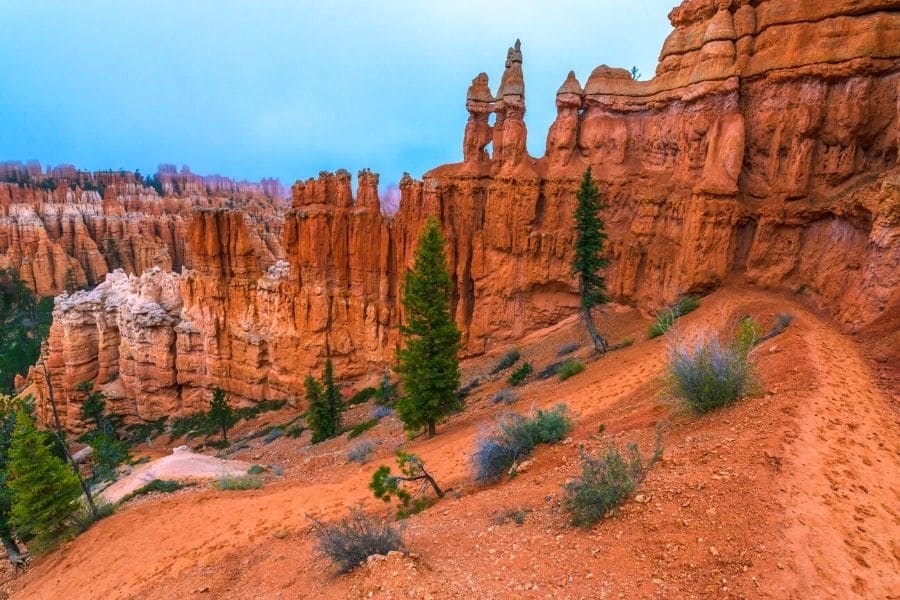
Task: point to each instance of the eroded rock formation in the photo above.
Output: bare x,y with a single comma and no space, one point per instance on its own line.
754,152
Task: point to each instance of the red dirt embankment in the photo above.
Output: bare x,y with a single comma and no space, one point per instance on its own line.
790,494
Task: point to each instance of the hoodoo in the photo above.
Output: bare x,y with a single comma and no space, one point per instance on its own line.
754,152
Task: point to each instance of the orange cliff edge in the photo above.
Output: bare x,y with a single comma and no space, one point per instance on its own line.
754,151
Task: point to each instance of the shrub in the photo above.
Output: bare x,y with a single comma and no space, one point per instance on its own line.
353,539
515,438
666,318
272,435
386,392
519,376
606,481
709,376
218,444
363,395
549,371
568,348
108,454
256,470
514,515
240,483
143,432
386,486
295,430
629,341
163,486
505,396
360,428
508,360
467,389
84,518
361,452
569,368
380,412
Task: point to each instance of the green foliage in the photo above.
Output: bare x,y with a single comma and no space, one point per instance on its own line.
141,432
162,486
242,483
221,415
386,392
589,243
44,490
606,481
108,454
666,318
363,395
360,428
256,470
710,375
519,376
516,437
427,362
295,430
24,325
324,413
749,332
349,542
629,341
386,486
569,368
84,517
508,360
8,408
361,452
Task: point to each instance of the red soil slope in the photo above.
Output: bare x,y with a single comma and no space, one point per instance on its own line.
790,494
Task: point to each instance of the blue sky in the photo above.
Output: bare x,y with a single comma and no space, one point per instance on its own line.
289,88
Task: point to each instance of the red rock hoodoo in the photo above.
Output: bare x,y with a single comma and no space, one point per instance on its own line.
766,147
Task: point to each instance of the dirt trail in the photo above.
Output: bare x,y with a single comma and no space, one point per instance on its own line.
789,494
843,517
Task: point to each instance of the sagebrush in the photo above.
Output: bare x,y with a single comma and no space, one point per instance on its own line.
356,537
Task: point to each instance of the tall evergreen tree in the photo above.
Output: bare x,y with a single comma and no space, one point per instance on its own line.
7,423
427,361
220,412
324,413
589,258
44,490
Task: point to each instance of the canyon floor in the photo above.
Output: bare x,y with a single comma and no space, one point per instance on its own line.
791,493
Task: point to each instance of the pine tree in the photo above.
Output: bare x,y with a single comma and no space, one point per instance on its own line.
220,412
333,400
427,362
589,258
322,416
7,422
44,490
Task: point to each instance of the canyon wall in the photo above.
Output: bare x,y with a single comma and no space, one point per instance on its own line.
66,229
765,148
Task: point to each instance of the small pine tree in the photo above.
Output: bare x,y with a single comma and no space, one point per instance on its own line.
324,414
220,412
7,423
427,363
44,490
589,258
386,392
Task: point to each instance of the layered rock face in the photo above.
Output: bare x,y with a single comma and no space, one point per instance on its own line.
766,147
67,229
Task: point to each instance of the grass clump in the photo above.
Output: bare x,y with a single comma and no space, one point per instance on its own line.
240,483
360,428
295,430
515,438
505,396
256,470
508,360
361,452
363,395
162,486
468,388
606,481
710,375
380,412
569,368
667,317
356,537
519,376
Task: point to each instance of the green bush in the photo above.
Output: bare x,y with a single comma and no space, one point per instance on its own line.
568,348
605,482
244,482
569,368
295,430
666,318
515,437
360,428
508,360
363,395
162,486
256,470
710,375
519,376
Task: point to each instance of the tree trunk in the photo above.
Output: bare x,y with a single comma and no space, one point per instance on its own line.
12,548
432,429
600,344
65,448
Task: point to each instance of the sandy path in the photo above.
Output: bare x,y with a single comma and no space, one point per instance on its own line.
842,510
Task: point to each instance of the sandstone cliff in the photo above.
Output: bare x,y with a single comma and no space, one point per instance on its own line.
765,147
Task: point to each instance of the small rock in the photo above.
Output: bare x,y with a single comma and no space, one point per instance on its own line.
642,498
713,551
774,349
